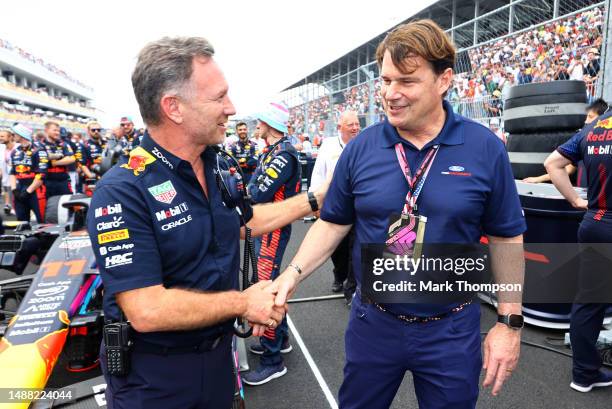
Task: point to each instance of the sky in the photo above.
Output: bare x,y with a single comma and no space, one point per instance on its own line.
262,46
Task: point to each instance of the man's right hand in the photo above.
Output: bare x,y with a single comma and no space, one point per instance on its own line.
260,308
283,287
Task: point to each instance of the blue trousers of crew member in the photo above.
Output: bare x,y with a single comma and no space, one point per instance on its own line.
198,380
56,187
247,176
270,249
587,318
23,207
444,357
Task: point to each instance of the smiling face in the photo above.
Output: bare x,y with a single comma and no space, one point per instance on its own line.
349,126
242,132
207,107
412,95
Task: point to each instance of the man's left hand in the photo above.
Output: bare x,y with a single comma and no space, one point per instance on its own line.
502,347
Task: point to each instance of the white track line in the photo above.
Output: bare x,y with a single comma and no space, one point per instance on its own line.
315,370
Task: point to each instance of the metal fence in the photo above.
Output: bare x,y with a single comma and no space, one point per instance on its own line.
523,41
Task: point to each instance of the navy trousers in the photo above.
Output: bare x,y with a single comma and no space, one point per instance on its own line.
203,380
444,357
270,249
58,187
587,318
23,207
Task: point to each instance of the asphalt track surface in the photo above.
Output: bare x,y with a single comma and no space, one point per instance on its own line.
540,381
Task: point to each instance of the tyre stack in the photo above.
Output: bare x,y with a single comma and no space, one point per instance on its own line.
539,117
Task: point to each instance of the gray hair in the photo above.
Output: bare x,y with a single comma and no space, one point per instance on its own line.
163,67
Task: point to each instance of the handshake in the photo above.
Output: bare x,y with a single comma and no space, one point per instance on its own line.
266,301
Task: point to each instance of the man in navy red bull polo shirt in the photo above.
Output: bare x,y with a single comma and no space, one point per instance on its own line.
592,145
468,192
167,244
60,156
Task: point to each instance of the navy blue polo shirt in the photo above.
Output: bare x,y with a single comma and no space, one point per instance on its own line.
593,145
470,190
150,224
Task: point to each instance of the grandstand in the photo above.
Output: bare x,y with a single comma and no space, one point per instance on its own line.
33,91
500,43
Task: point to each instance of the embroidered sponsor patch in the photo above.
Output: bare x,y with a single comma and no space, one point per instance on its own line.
164,192
272,173
114,208
118,260
173,211
114,235
138,160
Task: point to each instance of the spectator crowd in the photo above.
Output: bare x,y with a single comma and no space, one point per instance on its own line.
566,49
36,60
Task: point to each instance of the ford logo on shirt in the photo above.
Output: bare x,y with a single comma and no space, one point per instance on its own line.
456,168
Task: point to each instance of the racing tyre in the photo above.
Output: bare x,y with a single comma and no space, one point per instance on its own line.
528,152
545,106
55,213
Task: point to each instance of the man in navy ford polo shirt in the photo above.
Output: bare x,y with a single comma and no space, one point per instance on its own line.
468,192
167,246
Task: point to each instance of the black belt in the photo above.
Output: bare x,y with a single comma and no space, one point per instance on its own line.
207,345
410,319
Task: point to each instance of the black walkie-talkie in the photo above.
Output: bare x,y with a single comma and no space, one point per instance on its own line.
117,342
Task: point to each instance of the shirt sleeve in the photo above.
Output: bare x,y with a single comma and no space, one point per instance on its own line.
319,171
11,168
571,148
277,172
68,151
81,154
42,163
339,204
503,215
252,161
123,239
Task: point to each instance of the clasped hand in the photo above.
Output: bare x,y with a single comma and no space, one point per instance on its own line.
280,290
261,310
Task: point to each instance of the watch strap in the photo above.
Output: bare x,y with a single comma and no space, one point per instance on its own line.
313,202
505,319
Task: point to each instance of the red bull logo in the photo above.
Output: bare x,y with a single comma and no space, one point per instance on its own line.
604,123
138,160
22,169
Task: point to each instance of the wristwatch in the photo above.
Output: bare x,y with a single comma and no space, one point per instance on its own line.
514,321
313,202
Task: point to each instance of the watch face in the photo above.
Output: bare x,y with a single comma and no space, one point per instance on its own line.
515,321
